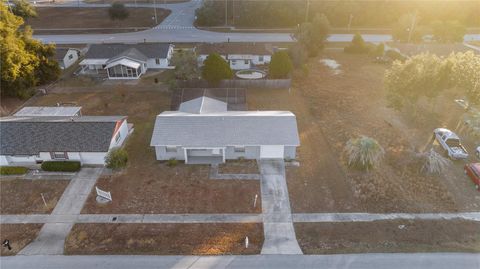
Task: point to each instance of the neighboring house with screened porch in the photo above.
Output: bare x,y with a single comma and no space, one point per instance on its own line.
126,61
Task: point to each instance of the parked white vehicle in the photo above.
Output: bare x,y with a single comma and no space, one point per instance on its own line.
450,142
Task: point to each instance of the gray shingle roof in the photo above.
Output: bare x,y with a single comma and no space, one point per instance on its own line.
235,48
225,129
31,135
49,111
202,105
131,53
107,51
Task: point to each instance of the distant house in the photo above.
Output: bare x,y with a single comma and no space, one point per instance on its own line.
30,140
126,61
70,111
66,57
203,131
240,56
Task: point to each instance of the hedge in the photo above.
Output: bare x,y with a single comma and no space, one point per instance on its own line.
61,166
13,170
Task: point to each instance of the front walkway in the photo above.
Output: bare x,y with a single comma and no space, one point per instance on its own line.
51,238
277,217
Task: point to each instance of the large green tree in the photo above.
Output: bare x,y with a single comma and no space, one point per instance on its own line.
465,74
186,67
24,9
215,69
313,35
280,65
118,11
25,62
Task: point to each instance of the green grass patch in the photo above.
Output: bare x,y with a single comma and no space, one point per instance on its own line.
13,170
61,166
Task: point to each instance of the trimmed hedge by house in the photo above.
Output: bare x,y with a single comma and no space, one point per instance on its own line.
61,166
13,170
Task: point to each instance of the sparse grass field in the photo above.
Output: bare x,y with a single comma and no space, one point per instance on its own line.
147,185
331,109
389,236
78,20
164,239
19,196
19,235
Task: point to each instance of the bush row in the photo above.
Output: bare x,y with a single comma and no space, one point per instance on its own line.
13,170
61,166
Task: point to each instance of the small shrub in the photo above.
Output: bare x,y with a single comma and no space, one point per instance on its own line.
116,158
118,11
280,65
364,152
61,166
172,162
358,45
155,80
434,163
13,170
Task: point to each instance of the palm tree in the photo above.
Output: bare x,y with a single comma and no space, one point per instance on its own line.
364,152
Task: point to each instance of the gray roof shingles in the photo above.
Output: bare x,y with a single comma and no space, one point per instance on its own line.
31,135
107,51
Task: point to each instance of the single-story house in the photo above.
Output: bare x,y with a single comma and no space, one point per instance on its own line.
70,111
30,140
126,61
66,57
240,56
203,131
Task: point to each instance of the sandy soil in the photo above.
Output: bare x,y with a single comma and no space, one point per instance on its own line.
20,196
81,18
19,235
239,167
147,185
164,239
389,236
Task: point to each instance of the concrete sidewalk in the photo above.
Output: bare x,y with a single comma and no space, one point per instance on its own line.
51,238
277,217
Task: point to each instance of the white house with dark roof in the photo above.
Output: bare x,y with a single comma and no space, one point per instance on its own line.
204,132
126,61
240,56
30,140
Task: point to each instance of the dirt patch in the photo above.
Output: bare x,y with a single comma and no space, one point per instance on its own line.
164,239
19,235
92,20
19,196
239,167
389,236
147,185
9,105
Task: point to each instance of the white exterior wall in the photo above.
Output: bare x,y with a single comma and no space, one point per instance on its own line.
236,64
123,130
67,62
164,62
266,59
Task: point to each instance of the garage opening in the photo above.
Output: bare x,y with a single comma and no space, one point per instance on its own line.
271,152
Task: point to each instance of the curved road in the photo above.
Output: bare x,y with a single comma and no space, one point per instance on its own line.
178,27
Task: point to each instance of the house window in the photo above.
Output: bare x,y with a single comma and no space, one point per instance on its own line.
157,61
260,58
171,149
70,56
234,62
246,61
239,149
117,137
59,155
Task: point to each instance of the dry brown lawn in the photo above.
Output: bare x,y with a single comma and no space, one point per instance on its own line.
19,235
19,196
239,167
81,18
164,239
389,236
331,109
147,185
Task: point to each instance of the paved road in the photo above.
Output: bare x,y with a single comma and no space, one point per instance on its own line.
51,239
178,27
277,217
351,261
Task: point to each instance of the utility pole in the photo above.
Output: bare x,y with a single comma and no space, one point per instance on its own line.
233,12
155,11
350,22
226,13
412,27
307,10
